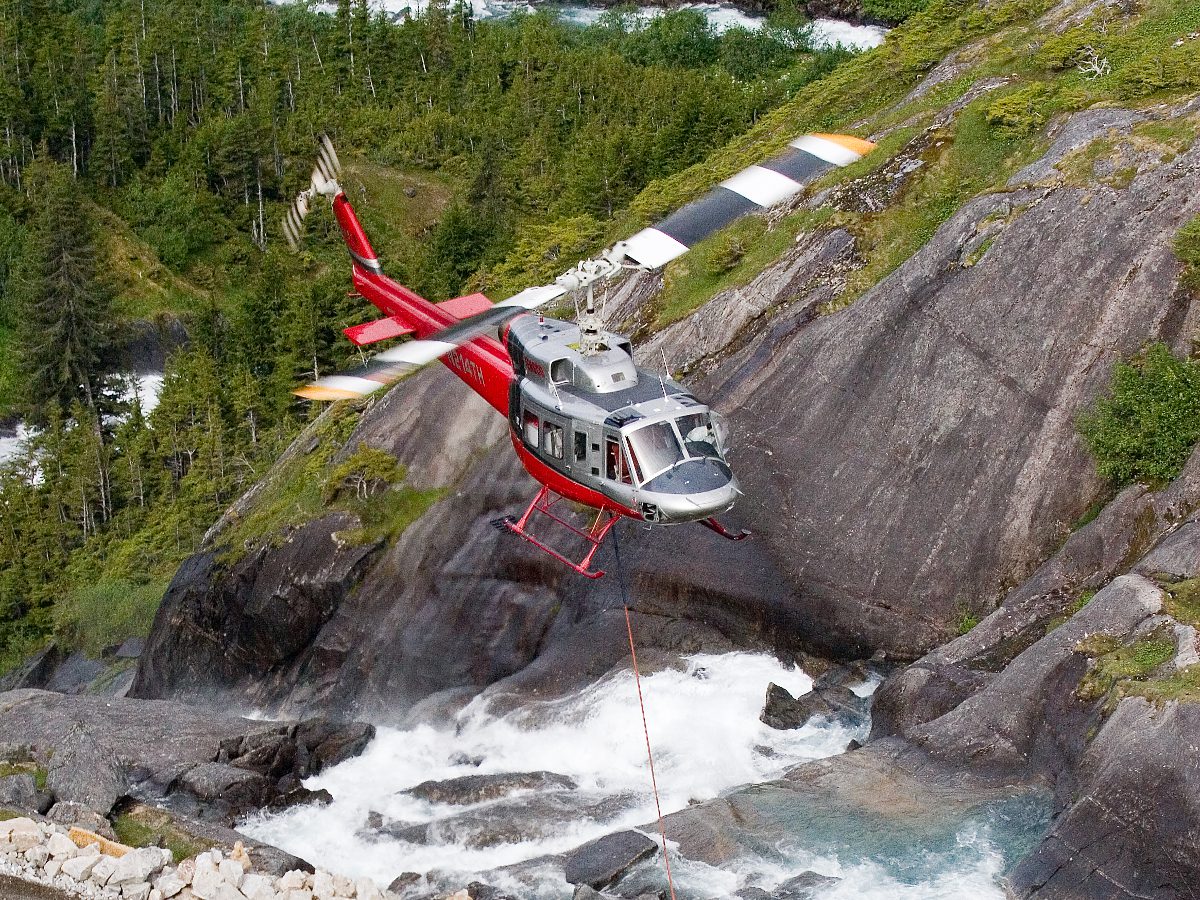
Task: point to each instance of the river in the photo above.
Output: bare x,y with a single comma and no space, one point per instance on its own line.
703,720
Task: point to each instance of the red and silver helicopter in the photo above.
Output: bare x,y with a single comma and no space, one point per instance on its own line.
585,421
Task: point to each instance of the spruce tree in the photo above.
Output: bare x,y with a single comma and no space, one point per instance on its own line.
64,309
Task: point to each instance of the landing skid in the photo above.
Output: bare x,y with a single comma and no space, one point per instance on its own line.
714,525
544,503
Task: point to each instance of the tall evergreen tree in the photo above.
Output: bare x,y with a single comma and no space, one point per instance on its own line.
64,309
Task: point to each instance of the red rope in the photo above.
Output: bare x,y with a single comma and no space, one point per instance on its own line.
637,678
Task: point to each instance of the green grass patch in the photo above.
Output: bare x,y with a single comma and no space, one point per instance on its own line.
1183,687
144,288
292,492
1116,664
966,620
98,614
1183,601
1146,428
25,768
146,827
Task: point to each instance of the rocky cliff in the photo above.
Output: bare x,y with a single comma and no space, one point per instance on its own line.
906,462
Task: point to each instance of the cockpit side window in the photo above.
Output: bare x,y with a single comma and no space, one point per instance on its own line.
699,436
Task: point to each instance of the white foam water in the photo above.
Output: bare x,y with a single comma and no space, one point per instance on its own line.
704,727
722,17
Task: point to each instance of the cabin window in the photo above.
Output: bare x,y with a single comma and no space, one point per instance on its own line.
532,424
553,440
581,443
560,371
614,462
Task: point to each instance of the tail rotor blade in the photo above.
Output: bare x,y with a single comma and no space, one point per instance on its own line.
324,178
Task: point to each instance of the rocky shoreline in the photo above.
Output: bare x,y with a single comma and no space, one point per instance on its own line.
79,863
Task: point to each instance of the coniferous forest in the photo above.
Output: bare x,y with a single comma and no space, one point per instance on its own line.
147,150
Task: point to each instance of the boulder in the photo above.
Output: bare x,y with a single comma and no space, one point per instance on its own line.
603,861
19,791
833,703
75,673
207,764
468,789
137,866
806,885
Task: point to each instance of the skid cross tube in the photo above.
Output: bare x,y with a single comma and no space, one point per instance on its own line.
544,503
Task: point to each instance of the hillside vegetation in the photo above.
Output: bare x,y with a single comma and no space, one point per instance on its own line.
483,156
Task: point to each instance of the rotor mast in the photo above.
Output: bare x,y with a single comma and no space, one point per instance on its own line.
584,276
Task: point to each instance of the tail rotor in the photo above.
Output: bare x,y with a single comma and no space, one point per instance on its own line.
324,182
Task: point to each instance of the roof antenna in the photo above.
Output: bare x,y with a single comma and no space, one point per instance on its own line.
661,380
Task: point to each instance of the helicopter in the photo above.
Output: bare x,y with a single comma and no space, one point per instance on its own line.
585,421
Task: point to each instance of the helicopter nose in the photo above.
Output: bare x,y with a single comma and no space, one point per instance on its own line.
674,508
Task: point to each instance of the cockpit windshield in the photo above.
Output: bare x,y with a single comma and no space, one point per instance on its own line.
656,447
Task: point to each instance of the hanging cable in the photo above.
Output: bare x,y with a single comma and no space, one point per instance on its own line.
637,679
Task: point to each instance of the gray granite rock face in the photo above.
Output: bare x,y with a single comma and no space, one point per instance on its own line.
1133,826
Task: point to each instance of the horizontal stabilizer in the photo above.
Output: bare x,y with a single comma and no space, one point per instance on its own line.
465,307
379,330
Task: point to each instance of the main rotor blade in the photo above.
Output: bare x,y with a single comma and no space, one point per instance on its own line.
752,190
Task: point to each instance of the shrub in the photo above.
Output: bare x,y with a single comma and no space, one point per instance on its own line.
363,474
1021,112
893,11
1147,428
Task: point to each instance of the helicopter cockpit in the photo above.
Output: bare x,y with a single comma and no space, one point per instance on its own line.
675,465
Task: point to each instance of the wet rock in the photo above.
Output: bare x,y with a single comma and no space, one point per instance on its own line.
404,880
806,885
480,891
603,861
235,790
836,704
1130,828
469,789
